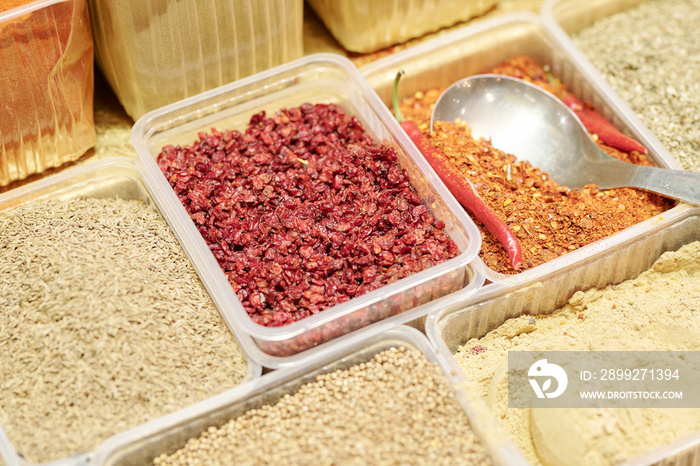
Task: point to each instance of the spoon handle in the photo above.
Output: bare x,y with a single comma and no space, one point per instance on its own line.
677,184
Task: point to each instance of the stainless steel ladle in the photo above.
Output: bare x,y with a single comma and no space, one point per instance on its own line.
530,123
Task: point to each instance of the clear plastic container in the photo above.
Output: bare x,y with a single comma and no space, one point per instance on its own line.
154,53
366,26
46,70
167,434
320,78
473,49
453,326
114,177
563,18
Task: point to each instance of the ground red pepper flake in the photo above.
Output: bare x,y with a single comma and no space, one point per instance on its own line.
304,211
549,220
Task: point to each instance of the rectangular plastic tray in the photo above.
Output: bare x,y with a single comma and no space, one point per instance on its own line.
114,177
320,78
169,433
473,49
453,326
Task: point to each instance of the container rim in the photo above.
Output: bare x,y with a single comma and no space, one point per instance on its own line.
663,453
66,175
451,37
350,339
498,289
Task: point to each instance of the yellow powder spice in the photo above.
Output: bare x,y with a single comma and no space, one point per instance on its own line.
657,311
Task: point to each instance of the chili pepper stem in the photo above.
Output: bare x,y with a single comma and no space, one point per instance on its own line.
550,77
395,97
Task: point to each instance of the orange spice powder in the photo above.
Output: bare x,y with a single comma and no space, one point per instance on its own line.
10,4
549,220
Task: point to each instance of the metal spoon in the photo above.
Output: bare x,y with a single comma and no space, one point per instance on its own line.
530,123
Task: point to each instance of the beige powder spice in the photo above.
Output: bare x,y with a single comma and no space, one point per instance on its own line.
657,311
104,325
396,409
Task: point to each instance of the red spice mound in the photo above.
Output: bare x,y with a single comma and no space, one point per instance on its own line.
6,5
549,220
304,211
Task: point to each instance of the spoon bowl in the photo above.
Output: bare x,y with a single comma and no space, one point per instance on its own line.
532,124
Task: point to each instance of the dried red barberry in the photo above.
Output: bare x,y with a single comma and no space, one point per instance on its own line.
304,211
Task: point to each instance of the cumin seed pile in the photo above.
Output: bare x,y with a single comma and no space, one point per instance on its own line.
104,325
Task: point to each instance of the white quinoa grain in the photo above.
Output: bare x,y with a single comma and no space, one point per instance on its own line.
397,409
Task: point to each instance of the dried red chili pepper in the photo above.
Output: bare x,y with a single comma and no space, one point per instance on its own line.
596,123
459,185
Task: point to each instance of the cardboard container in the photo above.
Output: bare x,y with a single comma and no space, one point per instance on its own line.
366,26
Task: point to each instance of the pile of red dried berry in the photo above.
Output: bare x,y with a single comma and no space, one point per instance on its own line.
304,211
